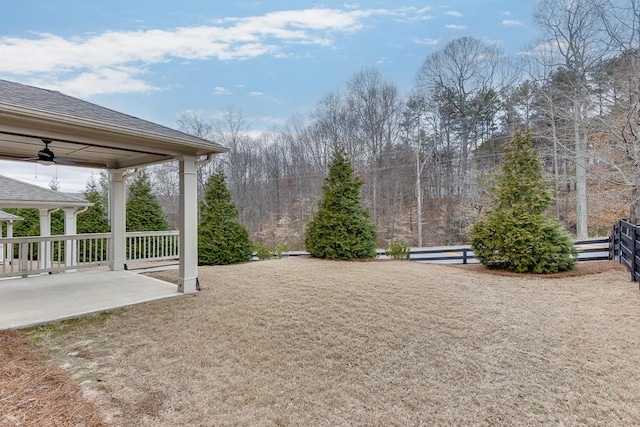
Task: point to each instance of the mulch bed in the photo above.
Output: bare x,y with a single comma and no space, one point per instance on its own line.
35,393
582,269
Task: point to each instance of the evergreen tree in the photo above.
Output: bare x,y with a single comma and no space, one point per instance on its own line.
57,222
143,210
516,234
95,218
221,238
342,228
30,224
57,217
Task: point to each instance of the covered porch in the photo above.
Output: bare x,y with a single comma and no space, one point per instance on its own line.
48,127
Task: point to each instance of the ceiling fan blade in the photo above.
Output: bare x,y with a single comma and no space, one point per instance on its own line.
69,160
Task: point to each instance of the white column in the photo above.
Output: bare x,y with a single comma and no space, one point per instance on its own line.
188,269
44,251
70,228
9,253
2,245
118,220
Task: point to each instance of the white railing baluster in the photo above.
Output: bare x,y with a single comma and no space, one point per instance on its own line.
37,255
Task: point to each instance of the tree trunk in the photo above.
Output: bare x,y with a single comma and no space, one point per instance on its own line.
581,175
418,200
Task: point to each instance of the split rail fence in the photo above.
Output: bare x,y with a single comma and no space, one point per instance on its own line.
624,246
588,250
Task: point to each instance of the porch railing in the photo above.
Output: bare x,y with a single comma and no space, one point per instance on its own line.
153,246
24,256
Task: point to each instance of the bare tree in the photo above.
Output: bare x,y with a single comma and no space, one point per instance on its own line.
242,165
622,22
459,91
165,186
552,114
375,108
466,76
196,125
576,30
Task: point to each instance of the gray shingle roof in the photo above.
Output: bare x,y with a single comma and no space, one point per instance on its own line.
14,193
57,103
6,216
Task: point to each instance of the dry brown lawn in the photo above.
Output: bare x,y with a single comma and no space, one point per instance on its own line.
312,342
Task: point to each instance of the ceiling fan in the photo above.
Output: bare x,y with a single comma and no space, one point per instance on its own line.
46,157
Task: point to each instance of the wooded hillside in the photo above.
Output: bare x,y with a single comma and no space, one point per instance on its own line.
426,157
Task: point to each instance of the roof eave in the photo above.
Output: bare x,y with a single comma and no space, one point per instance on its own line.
42,205
205,147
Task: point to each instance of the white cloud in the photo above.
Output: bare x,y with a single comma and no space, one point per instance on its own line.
543,50
412,14
455,27
453,13
115,61
99,81
428,42
512,23
256,93
219,90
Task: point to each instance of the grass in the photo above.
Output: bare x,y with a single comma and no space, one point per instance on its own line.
59,329
310,342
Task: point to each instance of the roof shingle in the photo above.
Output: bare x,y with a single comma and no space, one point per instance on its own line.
6,216
57,103
14,192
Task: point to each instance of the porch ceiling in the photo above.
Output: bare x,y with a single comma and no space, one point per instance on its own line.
84,133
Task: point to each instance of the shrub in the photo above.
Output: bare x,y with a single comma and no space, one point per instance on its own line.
262,252
516,235
281,249
398,249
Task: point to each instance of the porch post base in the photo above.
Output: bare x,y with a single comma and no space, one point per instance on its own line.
187,286
118,266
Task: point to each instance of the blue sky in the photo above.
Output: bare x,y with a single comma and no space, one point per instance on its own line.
267,59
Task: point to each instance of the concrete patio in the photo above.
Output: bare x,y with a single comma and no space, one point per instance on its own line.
47,298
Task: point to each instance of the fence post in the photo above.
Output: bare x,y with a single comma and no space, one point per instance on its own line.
617,244
615,241
612,242
464,256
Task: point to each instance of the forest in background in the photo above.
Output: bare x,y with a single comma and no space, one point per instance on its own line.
427,157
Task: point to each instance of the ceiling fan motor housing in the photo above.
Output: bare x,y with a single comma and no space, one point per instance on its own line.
45,155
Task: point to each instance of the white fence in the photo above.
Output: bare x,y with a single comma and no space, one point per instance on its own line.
24,256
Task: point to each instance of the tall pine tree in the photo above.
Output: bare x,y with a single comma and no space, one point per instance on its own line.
342,228
516,234
95,219
221,238
143,210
